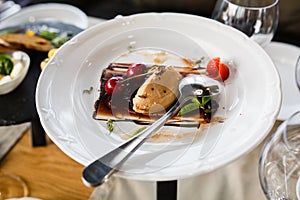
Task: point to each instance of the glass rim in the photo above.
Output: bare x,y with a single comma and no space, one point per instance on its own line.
280,135
267,146
285,136
275,2
297,67
19,180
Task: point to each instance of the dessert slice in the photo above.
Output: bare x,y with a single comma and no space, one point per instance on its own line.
152,92
158,92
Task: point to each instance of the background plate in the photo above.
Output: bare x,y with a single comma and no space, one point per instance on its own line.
250,107
64,13
285,57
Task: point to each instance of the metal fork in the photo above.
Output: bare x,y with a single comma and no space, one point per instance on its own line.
8,8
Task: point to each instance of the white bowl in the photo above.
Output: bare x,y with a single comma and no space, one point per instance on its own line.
48,11
19,57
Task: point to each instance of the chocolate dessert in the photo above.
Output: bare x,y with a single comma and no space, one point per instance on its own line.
143,93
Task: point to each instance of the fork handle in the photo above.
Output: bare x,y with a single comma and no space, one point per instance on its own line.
96,174
100,170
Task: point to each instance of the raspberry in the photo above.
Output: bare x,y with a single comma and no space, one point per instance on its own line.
212,67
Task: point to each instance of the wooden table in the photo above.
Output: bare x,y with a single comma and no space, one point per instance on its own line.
51,174
48,172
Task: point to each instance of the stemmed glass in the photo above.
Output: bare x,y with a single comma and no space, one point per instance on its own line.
279,163
297,72
256,18
12,186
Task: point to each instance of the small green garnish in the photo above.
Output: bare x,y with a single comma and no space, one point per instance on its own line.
188,108
110,125
150,71
195,104
132,134
58,41
138,131
204,101
200,60
130,48
6,64
47,35
88,91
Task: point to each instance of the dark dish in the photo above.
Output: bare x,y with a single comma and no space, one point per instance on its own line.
40,36
18,106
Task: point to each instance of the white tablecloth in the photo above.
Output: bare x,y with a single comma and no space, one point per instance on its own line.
236,181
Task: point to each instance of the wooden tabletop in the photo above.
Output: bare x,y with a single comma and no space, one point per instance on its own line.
48,172
51,174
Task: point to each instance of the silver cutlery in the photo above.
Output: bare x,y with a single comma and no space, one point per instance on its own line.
8,8
100,170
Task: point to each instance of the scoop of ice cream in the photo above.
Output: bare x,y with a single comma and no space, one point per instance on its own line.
158,92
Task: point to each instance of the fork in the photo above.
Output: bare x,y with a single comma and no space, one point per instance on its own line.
8,8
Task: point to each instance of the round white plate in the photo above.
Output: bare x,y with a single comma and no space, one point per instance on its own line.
250,107
285,57
48,12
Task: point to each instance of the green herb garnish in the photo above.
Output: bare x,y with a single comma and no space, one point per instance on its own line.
138,131
58,41
188,108
47,35
202,102
150,71
200,60
130,48
194,105
6,64
88,91
110,125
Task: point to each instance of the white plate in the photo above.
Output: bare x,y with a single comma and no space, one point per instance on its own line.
285,57
48,12
250,107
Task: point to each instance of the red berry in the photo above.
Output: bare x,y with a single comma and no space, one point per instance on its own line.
217,70
136,69
224,71
212,67
111,83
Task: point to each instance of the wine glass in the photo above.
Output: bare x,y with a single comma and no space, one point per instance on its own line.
279,162
258,19
12,186
297,72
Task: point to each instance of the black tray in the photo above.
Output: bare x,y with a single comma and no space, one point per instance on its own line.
18,106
